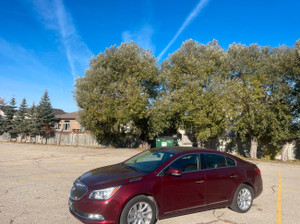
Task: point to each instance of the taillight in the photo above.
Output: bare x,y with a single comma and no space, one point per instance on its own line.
258,171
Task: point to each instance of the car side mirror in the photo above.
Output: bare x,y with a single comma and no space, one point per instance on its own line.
173,172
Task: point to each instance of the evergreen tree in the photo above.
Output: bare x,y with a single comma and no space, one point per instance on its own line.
45,114
2,104
34,124
9,122
21,119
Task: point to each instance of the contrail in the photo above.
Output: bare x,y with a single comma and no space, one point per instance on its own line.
188,20
56,17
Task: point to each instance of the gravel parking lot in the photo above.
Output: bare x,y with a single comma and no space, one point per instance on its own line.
36,179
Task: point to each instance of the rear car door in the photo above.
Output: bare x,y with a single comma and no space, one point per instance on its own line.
221,178
181,193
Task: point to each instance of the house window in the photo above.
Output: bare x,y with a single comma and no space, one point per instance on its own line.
66,125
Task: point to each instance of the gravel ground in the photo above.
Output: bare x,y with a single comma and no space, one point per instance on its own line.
35,181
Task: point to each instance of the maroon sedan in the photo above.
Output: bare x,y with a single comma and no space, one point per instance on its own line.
163,182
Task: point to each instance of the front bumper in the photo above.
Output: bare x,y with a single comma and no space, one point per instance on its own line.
84,215
95,211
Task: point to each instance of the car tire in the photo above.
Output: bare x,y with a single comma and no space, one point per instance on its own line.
243,199
139,208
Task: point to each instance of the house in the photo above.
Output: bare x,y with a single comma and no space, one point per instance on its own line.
68,122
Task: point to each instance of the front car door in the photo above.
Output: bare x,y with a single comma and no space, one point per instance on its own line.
181,193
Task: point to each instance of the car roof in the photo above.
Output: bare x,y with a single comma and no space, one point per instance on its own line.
184,150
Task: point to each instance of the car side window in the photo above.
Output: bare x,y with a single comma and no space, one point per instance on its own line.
186,163
230,162
214,161
158,156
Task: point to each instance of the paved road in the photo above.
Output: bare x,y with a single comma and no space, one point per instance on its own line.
35,181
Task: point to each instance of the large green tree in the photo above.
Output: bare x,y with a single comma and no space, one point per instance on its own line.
193,91
296,80
283,98
116,93
248,66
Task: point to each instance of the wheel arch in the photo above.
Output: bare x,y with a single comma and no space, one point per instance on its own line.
155,203
249,184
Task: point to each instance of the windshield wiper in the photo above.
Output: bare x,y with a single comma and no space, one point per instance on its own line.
124,165
132,168
135,169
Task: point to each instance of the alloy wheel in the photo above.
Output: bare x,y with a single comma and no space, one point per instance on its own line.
244,199
140,213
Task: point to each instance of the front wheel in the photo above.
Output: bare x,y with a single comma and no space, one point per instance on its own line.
243,199
138,210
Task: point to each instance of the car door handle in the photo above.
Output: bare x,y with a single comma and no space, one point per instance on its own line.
234,176
200,182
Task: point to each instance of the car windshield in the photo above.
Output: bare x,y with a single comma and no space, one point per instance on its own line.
148,161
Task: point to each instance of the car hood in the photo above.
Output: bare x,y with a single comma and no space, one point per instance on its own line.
108,174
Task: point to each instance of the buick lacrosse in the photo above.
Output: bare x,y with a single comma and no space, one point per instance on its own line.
163,182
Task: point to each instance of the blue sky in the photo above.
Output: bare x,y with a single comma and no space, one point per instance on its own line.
46,44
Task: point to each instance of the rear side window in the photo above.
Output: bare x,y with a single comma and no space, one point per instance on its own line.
214,161
230,162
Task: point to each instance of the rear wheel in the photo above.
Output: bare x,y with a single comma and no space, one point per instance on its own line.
243,199
139,210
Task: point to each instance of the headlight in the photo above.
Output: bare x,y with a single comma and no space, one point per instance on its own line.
104,194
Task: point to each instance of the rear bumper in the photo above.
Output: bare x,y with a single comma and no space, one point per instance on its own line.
258,187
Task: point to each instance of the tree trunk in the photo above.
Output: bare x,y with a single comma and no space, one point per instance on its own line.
284,152
144,145
253,149
200,144
59,138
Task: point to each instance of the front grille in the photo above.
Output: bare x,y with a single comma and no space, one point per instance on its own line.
78,190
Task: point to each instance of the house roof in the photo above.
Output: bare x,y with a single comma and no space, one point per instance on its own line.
68,116
58,111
